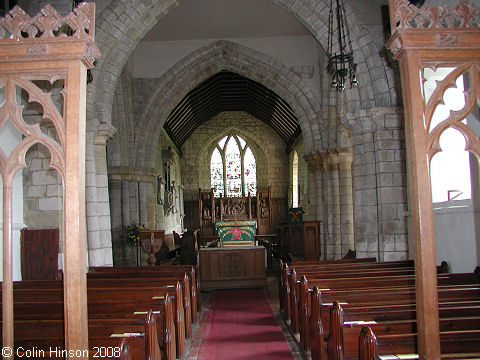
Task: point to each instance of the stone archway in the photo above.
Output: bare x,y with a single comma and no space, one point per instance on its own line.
124,23
207,61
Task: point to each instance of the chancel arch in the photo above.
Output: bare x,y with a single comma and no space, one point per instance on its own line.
166,92
118,39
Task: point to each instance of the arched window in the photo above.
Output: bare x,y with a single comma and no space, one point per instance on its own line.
295,180
449,169
233,170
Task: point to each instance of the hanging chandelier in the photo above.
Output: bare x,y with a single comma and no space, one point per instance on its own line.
340,59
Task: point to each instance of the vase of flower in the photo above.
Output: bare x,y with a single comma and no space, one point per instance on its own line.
132,238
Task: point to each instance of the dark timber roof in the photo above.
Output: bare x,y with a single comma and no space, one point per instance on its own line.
227,91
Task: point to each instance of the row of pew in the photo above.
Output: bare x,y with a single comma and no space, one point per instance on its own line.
363,309
133,313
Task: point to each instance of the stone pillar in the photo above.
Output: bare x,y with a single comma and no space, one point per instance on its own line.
115,193
332,168
324,205
312,191
97,198
126,219
345,157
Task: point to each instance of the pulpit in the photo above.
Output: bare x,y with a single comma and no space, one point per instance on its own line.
302,240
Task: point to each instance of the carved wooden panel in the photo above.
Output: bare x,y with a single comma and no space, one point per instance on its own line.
47,48
39,252
302,240
223,268
432,37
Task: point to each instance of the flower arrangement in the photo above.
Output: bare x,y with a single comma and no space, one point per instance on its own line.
132,235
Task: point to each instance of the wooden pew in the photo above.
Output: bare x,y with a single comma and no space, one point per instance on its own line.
363,280
166,278
321,305
461,344
45,339
109,301
330,268
293,296
164,271
344,334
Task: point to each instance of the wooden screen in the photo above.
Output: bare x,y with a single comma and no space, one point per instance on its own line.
39,253
432,38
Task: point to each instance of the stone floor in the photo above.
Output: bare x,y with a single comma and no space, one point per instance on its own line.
193,344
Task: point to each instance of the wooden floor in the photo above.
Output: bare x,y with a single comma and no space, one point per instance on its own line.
272,294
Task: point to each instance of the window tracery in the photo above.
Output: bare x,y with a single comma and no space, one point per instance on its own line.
233,170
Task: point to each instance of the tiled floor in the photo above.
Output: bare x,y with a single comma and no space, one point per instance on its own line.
193,344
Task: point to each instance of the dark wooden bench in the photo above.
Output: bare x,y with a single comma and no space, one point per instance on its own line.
46,337
292,294
110,301
304,307
346,325
457,344
334,269
164,271
322,302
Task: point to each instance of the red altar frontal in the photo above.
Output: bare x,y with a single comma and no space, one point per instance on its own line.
227,268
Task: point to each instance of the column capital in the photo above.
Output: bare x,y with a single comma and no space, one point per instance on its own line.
345,157
104,132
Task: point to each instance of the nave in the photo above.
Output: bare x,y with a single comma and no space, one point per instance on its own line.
243,324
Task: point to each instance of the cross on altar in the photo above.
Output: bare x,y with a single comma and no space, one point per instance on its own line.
236,232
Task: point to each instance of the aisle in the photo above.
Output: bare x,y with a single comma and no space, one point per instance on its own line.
241,325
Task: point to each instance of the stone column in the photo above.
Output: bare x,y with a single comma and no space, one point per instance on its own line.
345,157
98,201
332,168
312,193
323,201
126,219
115,193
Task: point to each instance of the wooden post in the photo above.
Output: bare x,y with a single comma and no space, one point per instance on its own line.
25,57
7,283
422,214
421,38
74,235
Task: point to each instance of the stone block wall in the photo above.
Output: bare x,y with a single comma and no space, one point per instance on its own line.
380,185
42,190
268,148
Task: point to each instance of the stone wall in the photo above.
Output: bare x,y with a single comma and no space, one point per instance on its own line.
380,184
268,148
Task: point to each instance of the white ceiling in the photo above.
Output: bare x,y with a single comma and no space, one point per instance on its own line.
223,19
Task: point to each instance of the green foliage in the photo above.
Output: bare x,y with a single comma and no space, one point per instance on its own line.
132,234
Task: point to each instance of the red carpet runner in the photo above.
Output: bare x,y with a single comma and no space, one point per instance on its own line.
242,326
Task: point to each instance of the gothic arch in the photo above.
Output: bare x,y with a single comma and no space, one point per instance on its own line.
207,61
125,22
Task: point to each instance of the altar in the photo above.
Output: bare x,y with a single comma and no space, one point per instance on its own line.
237,233
227,267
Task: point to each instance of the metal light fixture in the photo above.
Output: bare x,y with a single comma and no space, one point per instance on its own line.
340,60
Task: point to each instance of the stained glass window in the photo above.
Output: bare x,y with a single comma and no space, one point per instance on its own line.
233,170
250,172
295,180
216,173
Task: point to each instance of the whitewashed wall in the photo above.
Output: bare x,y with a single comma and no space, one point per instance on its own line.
457,241
153,58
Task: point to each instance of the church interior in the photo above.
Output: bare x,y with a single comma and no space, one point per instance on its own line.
222,133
